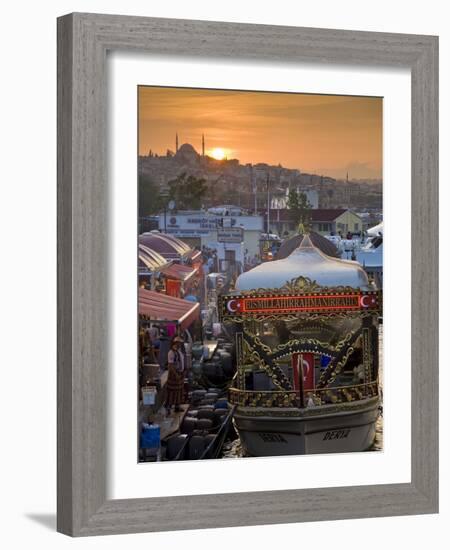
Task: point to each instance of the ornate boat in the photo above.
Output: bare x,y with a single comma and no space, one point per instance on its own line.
306,333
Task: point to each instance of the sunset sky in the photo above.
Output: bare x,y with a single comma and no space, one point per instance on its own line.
329,135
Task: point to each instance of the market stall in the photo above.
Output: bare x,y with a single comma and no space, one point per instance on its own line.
179,279
150,265
157,307
162,317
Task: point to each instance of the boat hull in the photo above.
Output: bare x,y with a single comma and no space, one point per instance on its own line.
344,428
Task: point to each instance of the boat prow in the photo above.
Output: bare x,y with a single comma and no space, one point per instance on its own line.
340,428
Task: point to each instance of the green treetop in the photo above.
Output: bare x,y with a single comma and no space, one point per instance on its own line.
188,192
301,209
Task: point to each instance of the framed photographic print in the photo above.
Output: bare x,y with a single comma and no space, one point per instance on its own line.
237,333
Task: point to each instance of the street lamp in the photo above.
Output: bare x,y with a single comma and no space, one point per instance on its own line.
167,205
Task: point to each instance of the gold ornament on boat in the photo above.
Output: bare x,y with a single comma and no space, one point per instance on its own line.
299,285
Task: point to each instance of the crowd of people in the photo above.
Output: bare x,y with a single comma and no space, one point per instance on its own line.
210,260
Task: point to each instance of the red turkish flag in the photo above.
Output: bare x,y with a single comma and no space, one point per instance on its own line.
308,370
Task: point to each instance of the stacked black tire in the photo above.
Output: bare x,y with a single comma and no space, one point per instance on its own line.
203,421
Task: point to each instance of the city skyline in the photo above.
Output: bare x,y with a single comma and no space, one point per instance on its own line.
323,134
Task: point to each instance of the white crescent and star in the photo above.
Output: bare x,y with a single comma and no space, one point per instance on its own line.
308,366
234,305
367,300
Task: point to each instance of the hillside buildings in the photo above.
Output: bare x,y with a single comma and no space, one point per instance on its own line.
250,185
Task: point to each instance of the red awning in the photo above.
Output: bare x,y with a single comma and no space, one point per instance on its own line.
179,272
159,307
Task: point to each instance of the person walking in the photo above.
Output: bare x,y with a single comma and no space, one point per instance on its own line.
175,379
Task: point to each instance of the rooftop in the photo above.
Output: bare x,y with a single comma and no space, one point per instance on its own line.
317,214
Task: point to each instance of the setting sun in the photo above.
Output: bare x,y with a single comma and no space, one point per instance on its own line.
218,153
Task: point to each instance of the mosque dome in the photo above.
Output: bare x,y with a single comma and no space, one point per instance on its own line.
305,261
187,153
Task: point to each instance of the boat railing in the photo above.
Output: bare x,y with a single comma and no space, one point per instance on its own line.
215,446
291,398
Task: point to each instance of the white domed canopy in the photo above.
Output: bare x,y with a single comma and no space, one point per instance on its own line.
305,261
375,231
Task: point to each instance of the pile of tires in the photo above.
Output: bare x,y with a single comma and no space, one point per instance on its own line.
197,445
176,447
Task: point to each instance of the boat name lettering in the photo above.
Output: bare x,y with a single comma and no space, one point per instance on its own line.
302,302
336,434
271,438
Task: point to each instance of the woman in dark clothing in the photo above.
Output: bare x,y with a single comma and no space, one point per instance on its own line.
175,380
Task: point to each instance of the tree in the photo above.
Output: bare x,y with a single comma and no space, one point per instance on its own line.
188,192
301,208
150,201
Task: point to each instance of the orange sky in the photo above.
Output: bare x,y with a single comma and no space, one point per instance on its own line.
322,134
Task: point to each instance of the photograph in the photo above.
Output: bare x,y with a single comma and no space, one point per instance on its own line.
259,273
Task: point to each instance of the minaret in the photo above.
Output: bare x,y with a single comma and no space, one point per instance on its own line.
203,145
347,177
176,142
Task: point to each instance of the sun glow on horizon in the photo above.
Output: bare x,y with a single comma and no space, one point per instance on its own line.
218,153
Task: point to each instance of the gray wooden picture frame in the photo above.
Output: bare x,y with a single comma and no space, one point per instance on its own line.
83,210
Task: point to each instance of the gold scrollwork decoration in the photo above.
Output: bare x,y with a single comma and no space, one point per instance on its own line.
342,343
357,314
258,342
302,285
339,366
303,341
274,372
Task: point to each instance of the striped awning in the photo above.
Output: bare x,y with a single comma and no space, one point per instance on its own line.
150,259
167,246
194,256
159,307
179,272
